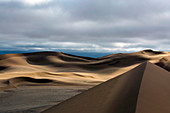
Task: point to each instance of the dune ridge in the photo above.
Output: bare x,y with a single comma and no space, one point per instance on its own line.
144,89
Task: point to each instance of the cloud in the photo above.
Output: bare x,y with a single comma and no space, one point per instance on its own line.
44,45
85,25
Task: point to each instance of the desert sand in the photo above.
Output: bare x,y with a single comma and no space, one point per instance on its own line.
35,99
49,75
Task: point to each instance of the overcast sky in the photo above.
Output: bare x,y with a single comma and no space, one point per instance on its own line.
85,25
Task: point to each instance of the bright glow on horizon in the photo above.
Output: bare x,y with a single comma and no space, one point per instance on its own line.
35,2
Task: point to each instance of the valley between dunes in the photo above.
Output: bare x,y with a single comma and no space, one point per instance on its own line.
43,71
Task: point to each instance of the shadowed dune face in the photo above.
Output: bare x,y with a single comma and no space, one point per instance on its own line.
41,60
2,68
164,63
58,55
28,79
122,61
151,52
20,81
70,69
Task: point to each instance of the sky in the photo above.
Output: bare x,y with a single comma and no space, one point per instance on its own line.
103,26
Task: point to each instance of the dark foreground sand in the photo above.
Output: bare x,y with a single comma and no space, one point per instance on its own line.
34,99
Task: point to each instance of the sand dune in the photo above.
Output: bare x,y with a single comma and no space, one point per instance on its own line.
144,89
56,69
62,68
164,63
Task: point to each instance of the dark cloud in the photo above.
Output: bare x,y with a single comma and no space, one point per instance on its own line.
91,25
